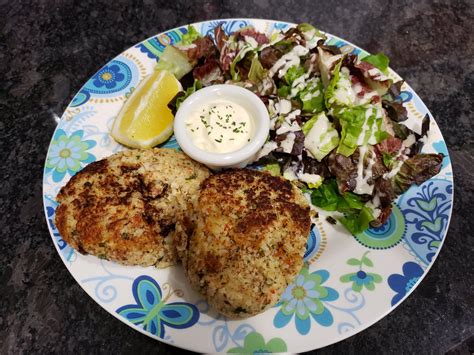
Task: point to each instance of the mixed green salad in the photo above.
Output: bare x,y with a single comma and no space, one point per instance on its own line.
337,122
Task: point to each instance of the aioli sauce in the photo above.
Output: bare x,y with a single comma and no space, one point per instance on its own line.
220,126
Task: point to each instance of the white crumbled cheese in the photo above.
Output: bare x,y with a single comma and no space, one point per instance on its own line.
284,106
288,142
290,174
267,149
285,127
292,115
409,141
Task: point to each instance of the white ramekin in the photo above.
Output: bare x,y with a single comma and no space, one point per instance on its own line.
236,159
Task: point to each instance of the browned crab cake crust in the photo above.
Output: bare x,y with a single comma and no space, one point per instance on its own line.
132,207
249,241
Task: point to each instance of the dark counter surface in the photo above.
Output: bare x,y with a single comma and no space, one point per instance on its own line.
48,49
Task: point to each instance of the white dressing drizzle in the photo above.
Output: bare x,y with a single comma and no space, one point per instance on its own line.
287,61
363,175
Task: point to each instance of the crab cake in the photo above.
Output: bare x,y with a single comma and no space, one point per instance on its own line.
249,241
133,207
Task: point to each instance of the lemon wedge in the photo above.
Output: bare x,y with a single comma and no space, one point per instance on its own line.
145,120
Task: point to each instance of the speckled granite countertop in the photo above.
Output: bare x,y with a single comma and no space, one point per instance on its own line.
48,49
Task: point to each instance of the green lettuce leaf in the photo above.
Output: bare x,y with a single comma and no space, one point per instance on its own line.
189,37
284,91
308,125
293,73
355,122
321,136
339,91
312,97
357,216
246,48
311,34
273,169
256,72
387,159
379,60
326,196
306,27
357,222
174,61
332,84
190,90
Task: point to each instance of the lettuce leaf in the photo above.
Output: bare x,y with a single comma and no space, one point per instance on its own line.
174,61
326,196
321,136
246,48
416,170
293,73
311,34
256,72
306,27
379,60
312,97
284,91
357,216
359,128
329,93
308,125
339,91
273,168
190,90
189,37
358,222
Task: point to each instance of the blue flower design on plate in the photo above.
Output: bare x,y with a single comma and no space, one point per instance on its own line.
68,154
361,278
153,313
108,76
112,78
304,298
426,210
402,284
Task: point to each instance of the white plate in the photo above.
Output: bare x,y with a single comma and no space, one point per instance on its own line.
349,282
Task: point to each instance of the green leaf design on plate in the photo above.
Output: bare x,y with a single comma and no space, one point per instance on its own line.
353,261
427,206
254,343
436,226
